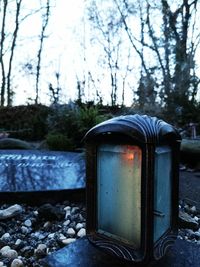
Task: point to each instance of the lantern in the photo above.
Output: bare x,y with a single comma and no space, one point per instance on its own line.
132,187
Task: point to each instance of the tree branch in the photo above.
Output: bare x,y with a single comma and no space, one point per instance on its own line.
131,38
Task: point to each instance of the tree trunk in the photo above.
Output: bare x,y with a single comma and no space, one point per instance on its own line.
9,91
39,55
3,81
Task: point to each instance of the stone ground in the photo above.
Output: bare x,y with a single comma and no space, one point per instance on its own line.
189,188
30,233
184,253
35,232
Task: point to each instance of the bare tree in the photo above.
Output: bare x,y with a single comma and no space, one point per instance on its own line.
45,21
7,53
3,33
80,85
179,22
172,46
12,50
107,35
12,18
55,91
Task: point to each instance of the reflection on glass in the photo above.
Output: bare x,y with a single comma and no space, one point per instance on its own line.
162,191
119,192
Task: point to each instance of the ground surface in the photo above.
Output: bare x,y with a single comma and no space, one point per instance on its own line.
189,187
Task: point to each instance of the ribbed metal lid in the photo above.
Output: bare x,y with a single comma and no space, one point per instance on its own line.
143,128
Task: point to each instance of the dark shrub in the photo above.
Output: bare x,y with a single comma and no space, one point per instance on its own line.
24,122
73,121
59,142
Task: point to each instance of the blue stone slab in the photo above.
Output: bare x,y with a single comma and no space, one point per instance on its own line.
32,170
82,253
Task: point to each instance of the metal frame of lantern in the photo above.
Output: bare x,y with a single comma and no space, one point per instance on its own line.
147,133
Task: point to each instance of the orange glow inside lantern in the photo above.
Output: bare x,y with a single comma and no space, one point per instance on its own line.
119,192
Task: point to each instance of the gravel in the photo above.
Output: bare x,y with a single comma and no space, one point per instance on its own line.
33,232
189,222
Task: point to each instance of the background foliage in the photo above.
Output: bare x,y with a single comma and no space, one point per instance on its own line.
62,126
142,52
24,122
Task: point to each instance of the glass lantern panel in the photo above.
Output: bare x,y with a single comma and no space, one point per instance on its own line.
162,191
119,192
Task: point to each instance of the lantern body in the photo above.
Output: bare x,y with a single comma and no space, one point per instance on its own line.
132,187
162,191
119,193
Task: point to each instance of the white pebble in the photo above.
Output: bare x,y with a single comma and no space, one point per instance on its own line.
52,235
5,248
71,232
9,253
38,235
24,230
193,209
186,206
10,212
66,223
35,213
5,236
42,247
68,211
81,232
41,236
28,223
67,208
17,263
47,224
61,237
41,250
18,242
67,241
79,226
197,234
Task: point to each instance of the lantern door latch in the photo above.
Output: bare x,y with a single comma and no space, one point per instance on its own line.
158,213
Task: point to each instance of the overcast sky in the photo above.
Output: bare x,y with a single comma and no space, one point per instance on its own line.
63,52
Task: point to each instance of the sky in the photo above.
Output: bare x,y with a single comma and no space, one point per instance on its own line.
61,49
63,53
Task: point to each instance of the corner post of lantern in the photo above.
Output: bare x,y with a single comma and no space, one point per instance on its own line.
91,187
132,187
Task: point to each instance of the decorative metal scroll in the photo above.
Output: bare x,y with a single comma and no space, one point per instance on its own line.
144,128
114,249
163,245
129,254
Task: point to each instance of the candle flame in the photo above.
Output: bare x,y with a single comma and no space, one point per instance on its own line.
130,156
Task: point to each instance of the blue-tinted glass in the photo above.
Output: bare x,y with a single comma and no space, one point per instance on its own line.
119,192
162,191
